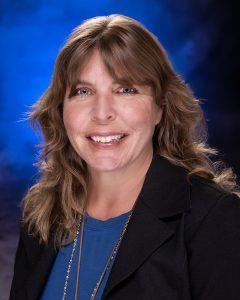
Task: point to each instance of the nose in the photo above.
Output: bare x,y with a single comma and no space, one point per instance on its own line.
103,110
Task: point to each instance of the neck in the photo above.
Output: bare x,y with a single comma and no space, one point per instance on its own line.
115,193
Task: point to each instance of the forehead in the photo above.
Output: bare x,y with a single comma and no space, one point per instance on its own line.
96,65
94,61
96,68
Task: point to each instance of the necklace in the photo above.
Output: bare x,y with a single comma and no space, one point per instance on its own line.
107,265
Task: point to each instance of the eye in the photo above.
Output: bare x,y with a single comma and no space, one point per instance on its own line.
128,90
83,91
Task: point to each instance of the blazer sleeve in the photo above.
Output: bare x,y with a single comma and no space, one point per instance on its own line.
20,269
214,252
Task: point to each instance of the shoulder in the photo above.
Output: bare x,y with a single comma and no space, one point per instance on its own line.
212,240
210,201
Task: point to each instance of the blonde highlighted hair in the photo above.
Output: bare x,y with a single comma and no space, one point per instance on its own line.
133,55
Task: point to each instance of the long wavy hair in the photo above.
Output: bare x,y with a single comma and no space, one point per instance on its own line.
131,52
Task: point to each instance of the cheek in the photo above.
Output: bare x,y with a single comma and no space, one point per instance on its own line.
71,119
138,117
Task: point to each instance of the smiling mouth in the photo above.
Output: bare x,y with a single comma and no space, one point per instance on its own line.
106,142
108,137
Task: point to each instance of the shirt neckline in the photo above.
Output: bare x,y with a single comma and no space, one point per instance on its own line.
94,223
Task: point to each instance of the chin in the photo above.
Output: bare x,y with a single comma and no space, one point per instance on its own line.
104,164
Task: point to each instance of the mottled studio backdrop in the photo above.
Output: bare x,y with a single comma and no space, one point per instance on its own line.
200,37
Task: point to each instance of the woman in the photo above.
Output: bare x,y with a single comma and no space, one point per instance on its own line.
129,204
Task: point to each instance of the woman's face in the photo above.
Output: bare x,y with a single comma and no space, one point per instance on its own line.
101,106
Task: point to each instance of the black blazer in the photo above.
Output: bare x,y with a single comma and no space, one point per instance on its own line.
182,242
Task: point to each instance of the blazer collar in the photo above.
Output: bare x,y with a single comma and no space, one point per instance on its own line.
166,189
165,193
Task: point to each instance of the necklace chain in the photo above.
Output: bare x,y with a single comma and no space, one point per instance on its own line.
107,265
70,261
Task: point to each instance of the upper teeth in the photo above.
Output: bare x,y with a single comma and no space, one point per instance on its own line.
106,139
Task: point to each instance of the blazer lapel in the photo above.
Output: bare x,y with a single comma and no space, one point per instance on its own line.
40,258
39,273
165,193
144,234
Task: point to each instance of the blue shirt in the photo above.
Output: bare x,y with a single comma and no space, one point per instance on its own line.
99,238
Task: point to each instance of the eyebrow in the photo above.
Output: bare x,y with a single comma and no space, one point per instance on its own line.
120,81
83,82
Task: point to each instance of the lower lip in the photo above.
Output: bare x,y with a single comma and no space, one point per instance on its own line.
107,146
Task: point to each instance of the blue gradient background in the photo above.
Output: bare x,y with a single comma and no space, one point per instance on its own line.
199,36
